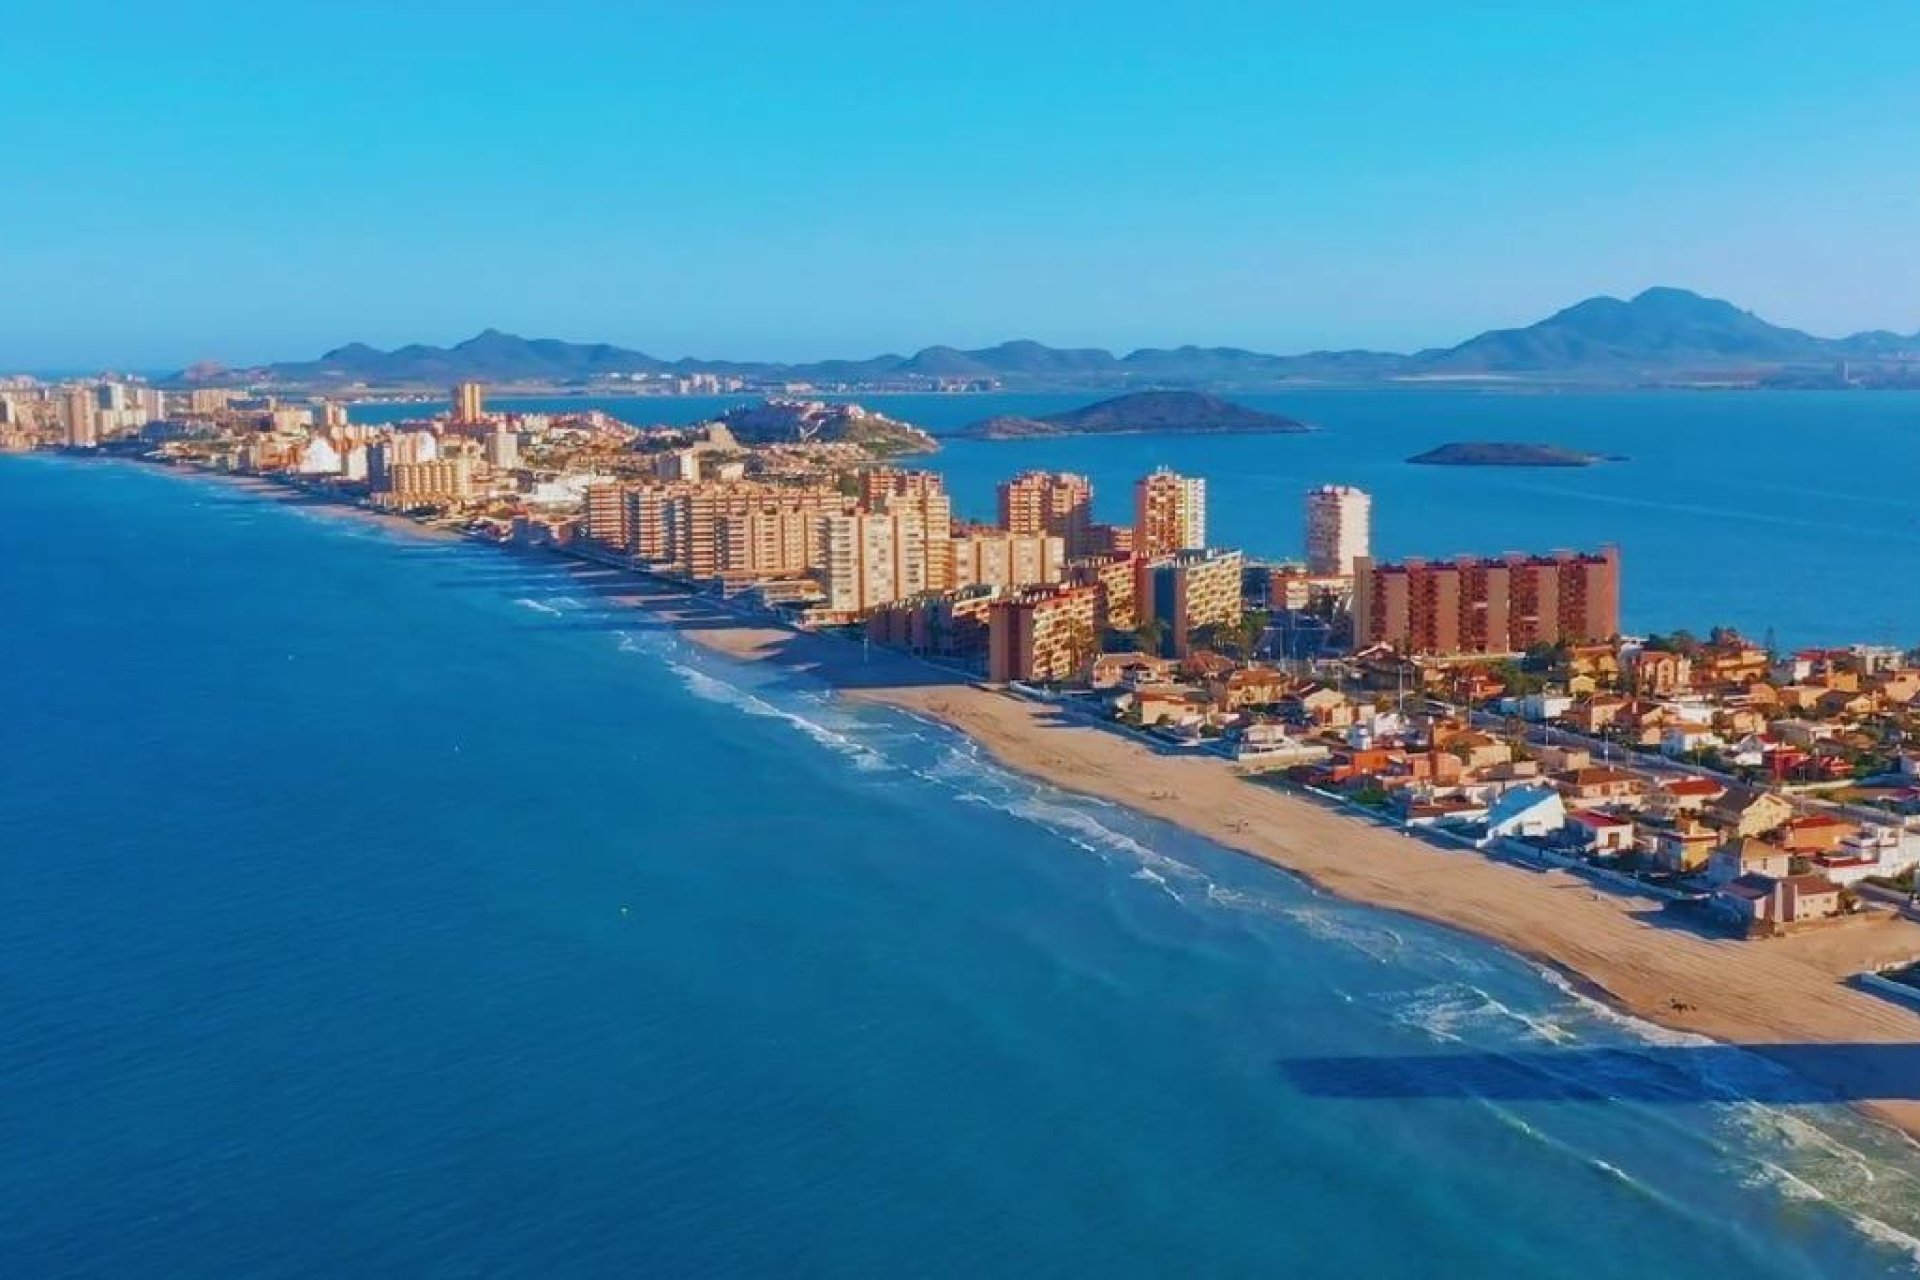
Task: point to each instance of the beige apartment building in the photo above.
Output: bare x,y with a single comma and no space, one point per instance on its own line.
1049,502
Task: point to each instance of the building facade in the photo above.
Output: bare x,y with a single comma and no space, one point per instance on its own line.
1041,635
1169,514
1049,502
1495,605
1339,529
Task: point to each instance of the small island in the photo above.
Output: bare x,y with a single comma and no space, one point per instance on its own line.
1141,413
1502,453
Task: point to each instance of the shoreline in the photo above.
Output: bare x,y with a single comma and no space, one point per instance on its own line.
1789,999
1621,950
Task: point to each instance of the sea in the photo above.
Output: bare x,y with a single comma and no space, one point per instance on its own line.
378,906
1791,512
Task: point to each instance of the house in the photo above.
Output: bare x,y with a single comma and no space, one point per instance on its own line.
1758,901
1602,833
1247,687
1743,811
1678,740
1271,745
1747,857
1476,750
1596,714
1684,795
1815,833
1660,672
1749,752
1526,813
1557,759
1683,846
1597,784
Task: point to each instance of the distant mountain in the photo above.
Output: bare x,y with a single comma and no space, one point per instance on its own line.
1658,328
1159,412
1662,333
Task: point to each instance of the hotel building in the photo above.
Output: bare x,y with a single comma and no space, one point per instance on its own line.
1048,502
1116,579
868,560
1339,524
80,417
1502,604
436,483
468,404
924,494
992,558
1042,635
1189,593
1169,513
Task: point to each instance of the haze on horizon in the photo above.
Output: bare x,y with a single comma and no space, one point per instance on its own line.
250,183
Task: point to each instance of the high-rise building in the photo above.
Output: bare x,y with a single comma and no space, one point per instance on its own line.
1045,502
1503,604
1042,635
152,405
924,493
1117,579
1189,593
503,448
328,414
81,418
871,560
604,516
1169,513
419,484
112,397
1339,525
468,405
996,559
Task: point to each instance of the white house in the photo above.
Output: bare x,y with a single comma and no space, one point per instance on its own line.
1681,739
1527,813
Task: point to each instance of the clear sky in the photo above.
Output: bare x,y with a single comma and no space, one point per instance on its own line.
256,181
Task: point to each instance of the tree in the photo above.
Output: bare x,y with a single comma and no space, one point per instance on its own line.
1150,635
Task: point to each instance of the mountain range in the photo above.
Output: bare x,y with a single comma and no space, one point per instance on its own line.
1662,334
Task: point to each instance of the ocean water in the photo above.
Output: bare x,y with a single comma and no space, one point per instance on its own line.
385,907
1789,511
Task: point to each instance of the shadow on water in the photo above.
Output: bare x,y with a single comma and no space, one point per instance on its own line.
1777,1073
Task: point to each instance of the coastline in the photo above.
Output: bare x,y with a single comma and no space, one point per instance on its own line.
1622,950
1782,994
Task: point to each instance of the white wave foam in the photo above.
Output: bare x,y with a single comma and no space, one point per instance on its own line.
538,606
704,685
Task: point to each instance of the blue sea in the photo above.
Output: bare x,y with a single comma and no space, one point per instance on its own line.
1795,512
383,907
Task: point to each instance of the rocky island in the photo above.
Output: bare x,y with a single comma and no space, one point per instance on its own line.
1141,413
1503,453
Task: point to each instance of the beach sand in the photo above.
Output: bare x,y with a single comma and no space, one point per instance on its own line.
1777,997
1787,998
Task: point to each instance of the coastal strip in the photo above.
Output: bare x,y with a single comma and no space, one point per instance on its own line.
1789,998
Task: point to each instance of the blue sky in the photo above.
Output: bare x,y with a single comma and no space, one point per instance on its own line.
257,181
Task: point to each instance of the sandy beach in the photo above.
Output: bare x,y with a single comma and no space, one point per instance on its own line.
1787,998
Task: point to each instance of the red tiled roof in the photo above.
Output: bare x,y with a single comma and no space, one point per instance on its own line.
1588,818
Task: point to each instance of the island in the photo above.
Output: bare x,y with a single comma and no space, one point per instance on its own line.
1141,413
1504,453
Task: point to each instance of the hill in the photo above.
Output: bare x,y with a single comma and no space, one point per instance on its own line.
1141,412
1658,328
1659,334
